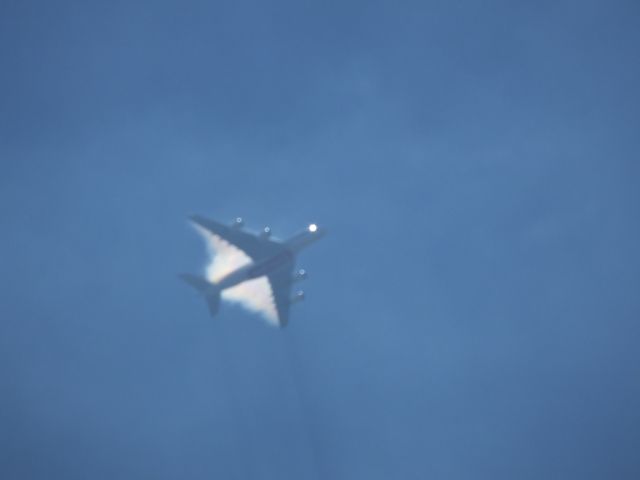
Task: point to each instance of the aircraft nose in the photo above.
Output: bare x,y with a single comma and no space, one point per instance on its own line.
316,229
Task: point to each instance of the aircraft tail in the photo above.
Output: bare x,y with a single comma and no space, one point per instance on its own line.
209,290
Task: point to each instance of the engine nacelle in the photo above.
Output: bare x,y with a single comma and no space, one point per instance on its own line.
300,274
265,233
238,223
298,297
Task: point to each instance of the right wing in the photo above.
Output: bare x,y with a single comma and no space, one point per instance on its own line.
280,282
254,247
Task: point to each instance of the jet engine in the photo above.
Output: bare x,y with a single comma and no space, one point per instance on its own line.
265,233
300,274
298,297
238,223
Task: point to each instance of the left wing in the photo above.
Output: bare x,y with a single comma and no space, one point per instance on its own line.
256,248
281,281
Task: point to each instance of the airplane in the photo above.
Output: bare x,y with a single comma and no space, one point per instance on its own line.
256,271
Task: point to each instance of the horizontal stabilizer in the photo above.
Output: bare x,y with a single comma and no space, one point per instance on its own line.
210,290
199,283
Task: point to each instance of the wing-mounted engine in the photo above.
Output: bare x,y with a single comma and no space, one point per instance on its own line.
265,233
297,297
300,274
237,223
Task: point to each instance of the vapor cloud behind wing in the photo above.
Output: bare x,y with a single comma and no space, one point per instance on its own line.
254,295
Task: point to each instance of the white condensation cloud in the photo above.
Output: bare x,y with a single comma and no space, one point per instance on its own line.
255,295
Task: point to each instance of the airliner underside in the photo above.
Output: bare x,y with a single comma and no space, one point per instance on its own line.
256,271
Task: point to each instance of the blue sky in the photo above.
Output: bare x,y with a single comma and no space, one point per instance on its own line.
472,314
